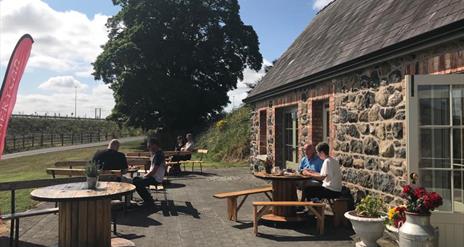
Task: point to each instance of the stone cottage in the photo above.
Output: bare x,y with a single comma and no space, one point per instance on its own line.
380,82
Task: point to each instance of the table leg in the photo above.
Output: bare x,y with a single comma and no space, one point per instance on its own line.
85,223
284,191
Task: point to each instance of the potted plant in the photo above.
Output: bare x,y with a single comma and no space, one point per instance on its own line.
368,220
417,230
91,172
396,218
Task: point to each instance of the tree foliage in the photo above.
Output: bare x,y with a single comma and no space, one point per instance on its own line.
171,63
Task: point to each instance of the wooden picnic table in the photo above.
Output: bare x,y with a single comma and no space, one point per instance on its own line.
84,214
284,188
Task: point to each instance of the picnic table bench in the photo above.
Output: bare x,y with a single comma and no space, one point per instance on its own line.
232,208
316,208
79,172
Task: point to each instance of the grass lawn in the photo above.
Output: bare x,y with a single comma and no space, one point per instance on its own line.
33,167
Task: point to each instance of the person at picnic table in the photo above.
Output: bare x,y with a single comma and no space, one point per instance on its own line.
110,158
330,175
155,175
310,162
179,143
189,145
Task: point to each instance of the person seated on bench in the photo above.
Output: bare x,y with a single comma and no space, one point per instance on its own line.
155,175
111,159
179,143
310,162
189,145
330,176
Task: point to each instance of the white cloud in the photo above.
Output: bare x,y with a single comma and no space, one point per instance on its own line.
63,84
320,4
65,41
237,95
62,102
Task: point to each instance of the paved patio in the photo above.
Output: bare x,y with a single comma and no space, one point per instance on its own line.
192,217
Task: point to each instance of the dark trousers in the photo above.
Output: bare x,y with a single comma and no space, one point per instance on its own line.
319,192
141,184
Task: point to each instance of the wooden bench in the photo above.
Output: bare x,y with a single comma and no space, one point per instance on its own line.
316,208
14,216
202,152
71,163
138,154
77,172
232,208
339,207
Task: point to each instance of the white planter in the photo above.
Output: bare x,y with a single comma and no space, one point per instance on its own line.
92,182
417,231
393,232
367,229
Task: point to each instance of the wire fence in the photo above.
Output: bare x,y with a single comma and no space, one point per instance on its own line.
19,143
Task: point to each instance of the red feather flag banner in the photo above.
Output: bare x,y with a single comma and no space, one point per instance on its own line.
13,74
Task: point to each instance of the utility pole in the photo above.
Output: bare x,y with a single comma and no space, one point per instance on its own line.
75,101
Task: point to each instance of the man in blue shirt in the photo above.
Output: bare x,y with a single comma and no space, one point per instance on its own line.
310,161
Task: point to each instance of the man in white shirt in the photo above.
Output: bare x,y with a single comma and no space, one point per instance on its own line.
330,176
155,175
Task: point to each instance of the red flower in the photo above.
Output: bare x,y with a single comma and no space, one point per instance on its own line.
407,189
419,192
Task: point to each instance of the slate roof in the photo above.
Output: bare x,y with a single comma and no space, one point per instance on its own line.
348,29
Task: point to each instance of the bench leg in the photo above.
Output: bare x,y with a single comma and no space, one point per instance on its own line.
321,220
232,208
255,220
17,233
12,227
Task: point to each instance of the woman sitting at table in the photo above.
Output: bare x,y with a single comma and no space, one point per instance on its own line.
330,176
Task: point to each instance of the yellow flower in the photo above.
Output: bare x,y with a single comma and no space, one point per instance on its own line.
391,213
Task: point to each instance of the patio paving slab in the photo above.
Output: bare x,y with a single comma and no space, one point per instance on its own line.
190,216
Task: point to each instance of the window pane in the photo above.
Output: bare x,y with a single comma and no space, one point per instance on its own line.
440,182
434,148
458,136
458,98
434,105
458,188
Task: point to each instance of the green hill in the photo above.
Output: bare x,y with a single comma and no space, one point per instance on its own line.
228,139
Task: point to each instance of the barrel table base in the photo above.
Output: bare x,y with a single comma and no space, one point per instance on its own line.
284,191
85,223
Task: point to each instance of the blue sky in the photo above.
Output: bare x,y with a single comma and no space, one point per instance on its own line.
68,34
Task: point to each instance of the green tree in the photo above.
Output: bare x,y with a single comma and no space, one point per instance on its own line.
170,63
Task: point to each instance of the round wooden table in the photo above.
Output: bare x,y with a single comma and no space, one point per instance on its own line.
284,189
84,215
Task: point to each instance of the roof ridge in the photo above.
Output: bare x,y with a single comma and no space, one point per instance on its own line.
331,2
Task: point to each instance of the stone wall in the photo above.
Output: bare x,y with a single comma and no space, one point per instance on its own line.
368,128
369,120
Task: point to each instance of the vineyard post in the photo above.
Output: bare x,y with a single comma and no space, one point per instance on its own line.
32,140
82,138
51,139
24,142
90,137
62,139
41,139
14,142
98,135
72,138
